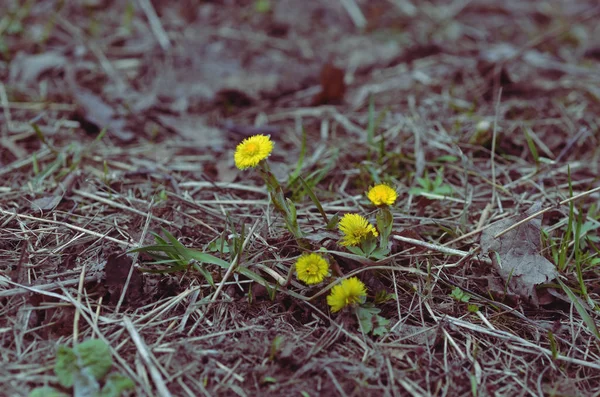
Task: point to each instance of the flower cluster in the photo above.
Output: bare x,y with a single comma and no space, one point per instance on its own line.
358,234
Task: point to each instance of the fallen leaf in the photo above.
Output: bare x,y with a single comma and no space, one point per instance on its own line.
46,203
193,128
94,115
232,98
516,255
332,86
27,68
117,270
424,336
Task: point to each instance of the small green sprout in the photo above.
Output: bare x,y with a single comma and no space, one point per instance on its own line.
460,295
85,368
433,189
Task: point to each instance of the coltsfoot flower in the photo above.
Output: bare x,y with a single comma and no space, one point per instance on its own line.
382,195
252,151
312,268
349,292
355,228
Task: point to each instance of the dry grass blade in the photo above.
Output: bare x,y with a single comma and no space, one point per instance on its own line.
122,122
147,358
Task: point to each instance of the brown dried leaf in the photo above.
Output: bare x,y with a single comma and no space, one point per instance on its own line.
97,114
46,203
27,68
333,87
117,270
516,255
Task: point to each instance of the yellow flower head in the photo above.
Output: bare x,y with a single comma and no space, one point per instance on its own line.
382,195
349,292
355,228
312,268
252,151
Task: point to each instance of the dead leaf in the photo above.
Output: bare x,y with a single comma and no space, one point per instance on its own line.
225,171
117,270
95,114
193,128
27,68
230,97
593,53
424,336
46,203
333,87
516,255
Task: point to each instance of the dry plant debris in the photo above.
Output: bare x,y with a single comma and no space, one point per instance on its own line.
516,255
125,222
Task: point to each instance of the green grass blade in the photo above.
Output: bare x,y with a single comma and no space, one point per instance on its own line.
314,199
587,319
294,175
532,148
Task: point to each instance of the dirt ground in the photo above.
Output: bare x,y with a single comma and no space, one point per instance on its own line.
119,124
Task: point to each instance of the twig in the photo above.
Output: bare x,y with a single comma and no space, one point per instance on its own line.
4,102
155,24
146,355
233,264
439,248
114,204
540,212
510,337
355,13
22,289
67,225
135,256
77,311
493,154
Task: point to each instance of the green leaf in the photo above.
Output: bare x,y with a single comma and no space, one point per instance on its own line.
85,385
531,144
381,328
365,317
219,245
257,278
356,250
115,385
333,222
296,173
553,345
587,319
379,254
66,366
383,296
315,200
262,6
370,320
385,222
460,295
92,356
47,391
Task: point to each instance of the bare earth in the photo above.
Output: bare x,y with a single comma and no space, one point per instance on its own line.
119,123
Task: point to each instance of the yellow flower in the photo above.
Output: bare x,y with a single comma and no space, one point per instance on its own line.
382,195
355,229
349,292
312,268
252,151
